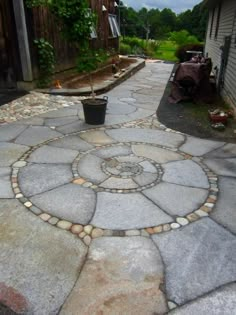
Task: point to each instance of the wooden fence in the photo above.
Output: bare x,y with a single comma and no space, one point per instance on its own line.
42,24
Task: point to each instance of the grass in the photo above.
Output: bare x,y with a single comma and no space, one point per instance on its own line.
159,49
166,51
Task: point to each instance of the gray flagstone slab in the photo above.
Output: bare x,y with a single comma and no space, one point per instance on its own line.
71,142
5,183
224,167
176,199
146,106
199,258
37,178
36,120
142,98
10,153
145,178
48,154
119,108
10,131
148,91
119,183
74,127
187,173
139,114
113,151
159,155
39,263
89,167
34,135
219,302
198,147
120,276
146,135
127,211
148,167
56,122
226,151
117,119
225,209
69,202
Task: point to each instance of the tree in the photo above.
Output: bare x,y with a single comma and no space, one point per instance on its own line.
183,37
168,20
155,23
194,21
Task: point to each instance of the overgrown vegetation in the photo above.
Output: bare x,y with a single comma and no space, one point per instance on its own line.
163,49
74,17
183,37
75,20
46,60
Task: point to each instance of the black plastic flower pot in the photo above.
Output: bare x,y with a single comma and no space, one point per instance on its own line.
95,110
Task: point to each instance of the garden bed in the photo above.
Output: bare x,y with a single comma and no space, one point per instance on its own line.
74,84
73,80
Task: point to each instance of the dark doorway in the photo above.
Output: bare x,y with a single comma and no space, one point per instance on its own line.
7,70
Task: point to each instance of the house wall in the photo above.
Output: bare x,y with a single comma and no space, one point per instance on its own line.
227,27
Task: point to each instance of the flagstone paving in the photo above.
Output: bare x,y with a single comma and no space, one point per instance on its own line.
155,207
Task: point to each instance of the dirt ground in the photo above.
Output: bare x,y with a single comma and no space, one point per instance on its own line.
192,118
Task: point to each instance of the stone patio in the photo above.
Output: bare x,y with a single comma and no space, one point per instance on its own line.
125,218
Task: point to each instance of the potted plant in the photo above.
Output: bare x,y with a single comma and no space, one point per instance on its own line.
94,108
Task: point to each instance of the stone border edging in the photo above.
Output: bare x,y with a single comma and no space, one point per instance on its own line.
88,232
98,89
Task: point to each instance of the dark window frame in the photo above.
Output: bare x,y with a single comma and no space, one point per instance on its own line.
212,21
114,27
218,19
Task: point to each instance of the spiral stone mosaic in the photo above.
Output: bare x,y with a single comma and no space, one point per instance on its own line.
80,185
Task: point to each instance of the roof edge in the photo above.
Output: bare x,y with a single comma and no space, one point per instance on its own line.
211,3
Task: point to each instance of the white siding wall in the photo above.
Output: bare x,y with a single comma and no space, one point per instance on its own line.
227,26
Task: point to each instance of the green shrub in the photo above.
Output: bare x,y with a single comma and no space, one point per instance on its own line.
46,60
181,52
125,49
183,37
137,46
134,42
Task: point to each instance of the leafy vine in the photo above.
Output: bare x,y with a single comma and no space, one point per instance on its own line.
46,59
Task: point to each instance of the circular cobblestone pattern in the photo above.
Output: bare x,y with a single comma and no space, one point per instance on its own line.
115,188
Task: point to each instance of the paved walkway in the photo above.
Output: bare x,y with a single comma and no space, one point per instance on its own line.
127,218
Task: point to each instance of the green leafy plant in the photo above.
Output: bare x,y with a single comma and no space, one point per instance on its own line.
183,37
125,49
46,60
36,3
74,17
88,61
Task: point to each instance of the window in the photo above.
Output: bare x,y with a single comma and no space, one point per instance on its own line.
114,27
218,20
212,21
93,32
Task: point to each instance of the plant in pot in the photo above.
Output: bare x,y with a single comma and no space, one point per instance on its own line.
94,107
